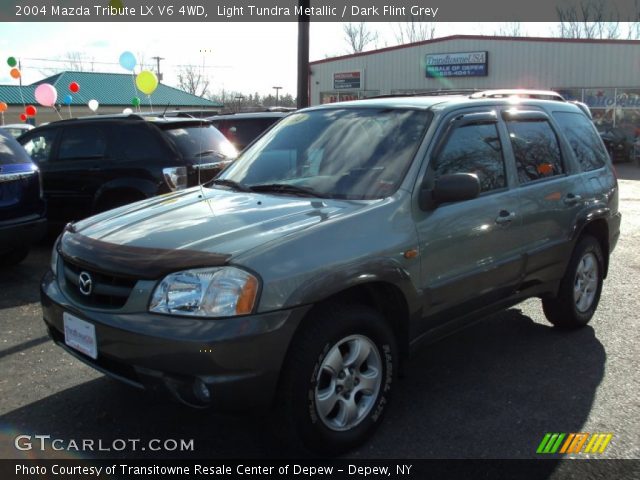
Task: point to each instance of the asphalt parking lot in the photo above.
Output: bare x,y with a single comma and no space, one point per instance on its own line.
491,391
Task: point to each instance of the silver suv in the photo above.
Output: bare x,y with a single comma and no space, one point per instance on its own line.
338,242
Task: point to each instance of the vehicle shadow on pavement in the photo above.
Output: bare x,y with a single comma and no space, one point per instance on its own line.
491,391
20,284
628,171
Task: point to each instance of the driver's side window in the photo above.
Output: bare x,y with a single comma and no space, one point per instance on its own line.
473,148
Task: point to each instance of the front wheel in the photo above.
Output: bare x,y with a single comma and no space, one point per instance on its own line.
338,379
580,289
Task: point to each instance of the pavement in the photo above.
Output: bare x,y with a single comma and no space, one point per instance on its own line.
490,391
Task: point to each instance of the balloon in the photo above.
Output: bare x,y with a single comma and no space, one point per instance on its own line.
46,95
128,61
127,111
93,105
147,82
68,99
74,87
23,117
11,61
135,101
31,111
3,107
15,73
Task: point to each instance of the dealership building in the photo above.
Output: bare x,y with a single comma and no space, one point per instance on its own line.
604,74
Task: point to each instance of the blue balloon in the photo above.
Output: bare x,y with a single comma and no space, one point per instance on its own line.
128,61
68,99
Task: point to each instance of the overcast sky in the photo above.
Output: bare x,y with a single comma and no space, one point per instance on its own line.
245,57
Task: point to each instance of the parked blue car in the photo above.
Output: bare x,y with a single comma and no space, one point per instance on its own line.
22,207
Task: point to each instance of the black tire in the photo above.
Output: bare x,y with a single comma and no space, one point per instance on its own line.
13,257
562,310
297,413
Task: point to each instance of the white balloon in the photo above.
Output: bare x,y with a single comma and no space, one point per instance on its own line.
93,105
127,111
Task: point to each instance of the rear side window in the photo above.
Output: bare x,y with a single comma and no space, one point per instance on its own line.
474,148
11,152
40,145
583,138
138,142
536,150
84,141
243,132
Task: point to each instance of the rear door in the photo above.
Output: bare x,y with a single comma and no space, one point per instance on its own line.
470,253
550,190
77,169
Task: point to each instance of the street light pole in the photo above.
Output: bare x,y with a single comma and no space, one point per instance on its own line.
277,89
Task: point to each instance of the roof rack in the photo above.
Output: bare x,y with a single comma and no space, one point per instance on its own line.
429,93
519,92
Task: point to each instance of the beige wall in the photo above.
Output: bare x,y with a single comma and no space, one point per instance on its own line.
511,64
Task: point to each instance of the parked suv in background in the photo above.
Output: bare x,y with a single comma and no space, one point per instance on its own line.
243,128
344,238
22,208
93,164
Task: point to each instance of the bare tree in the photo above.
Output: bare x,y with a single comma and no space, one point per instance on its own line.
510,29
414,30
587,19
193,80
78,62
358,36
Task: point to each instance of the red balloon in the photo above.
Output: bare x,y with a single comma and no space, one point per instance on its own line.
74,87
23,117
31,111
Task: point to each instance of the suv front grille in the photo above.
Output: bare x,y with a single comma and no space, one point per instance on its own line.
107,291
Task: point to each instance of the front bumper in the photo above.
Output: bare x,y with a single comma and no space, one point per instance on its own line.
237,359
21,233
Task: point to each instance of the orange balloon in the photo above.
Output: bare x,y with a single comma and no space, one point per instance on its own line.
15,73
3,107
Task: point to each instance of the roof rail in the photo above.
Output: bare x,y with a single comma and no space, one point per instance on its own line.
429,93
519,92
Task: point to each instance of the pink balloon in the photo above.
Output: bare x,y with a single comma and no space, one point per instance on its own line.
46,95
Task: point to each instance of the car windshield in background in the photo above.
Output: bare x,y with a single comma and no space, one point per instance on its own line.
201,142
347,153
11,151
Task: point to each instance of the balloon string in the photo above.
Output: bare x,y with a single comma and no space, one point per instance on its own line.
150,104
69,106
135,90
2,114
56,110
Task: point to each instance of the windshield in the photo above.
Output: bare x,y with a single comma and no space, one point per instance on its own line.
200,142
349,153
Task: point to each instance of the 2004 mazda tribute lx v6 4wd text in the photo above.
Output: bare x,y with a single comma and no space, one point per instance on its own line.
348,234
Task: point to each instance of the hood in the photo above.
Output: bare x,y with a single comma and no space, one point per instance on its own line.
214,220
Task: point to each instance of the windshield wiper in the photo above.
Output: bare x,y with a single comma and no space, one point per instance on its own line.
231,184
204,153
288,188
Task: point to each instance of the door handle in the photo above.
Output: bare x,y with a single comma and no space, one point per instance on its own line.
505,217
572,199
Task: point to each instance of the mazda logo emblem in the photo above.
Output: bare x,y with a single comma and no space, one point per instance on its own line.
85,283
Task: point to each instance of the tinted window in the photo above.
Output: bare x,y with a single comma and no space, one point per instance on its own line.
138,142
83,141
535,148
474,149
200,142
11,151
39,145
583,138
243,132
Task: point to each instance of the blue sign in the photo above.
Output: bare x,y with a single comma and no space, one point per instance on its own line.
469,64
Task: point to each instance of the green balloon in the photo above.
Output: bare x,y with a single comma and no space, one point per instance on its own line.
11,61
135,101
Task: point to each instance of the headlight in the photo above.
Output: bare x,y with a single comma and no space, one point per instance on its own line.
54,258
206,292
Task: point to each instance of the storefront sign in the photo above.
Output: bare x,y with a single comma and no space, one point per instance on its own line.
467,64
347,80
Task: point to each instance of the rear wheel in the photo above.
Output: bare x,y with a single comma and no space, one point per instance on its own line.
338,379
580,289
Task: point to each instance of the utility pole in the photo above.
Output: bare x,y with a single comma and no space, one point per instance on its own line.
157,59
277,89
239,98
303,55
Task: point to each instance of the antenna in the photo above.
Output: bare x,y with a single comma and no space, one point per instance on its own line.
165,108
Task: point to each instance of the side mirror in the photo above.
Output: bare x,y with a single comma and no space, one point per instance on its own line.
450,188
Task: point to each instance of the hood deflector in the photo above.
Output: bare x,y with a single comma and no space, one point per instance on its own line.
128,261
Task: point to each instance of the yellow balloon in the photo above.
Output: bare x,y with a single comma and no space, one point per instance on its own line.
147,82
